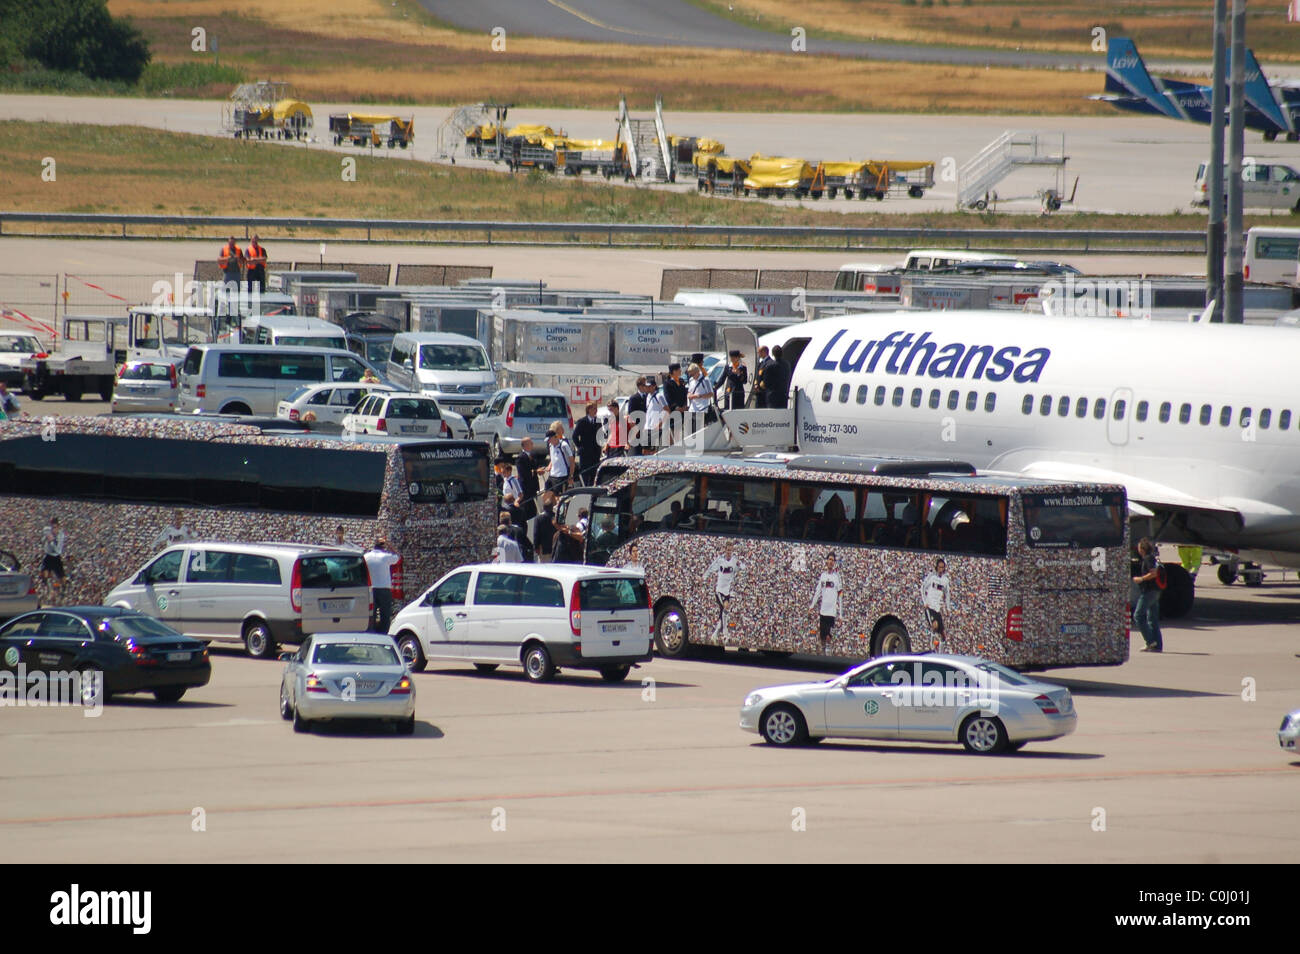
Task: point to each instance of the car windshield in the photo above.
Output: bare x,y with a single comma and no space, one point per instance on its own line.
1005,674
146,372
296,393
437,357
132,627
355,654
553,407
311,341
20,344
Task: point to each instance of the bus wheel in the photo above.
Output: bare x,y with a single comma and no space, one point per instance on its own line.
1180,592
408,644
983,735
784,725
672,636
258,642
891,639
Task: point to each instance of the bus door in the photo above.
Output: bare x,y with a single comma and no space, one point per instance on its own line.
568,510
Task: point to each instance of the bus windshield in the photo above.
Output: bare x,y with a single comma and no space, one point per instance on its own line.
1074,520
446,474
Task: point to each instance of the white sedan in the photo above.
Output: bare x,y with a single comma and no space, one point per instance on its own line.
986,707
329,402
404,414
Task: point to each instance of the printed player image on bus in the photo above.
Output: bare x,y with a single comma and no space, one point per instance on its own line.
852,557
116,485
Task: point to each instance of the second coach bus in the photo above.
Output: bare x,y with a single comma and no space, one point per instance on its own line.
852,557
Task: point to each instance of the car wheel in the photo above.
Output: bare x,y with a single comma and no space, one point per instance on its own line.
496,447
983,735
614,673
672,635
890,640
486,667
406,726
258,641
299,723
286,710
538,665
237,409
170,694
408,644
784,725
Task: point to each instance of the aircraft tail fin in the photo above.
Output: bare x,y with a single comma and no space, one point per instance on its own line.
1260,95
1127,73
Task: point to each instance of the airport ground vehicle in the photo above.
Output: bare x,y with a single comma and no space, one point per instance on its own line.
293,330
931,698
404,414
17,589
454,369
1288,734
541,616
869,277
146,386
364,129
720,175
254,379
84,360
512,414
771,176
14,347
1264,185
115,482
258,594
329,402
939,557
931,259
101,651
1272,255
347,676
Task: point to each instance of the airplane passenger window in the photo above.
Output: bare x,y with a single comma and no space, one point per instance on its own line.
898,397
990,402
935,397
1244,420
1119,409
1141,410
1081,407
1165,408
862,393
1225,415
916,397
1185,414
1283,420
826,391
1027,405
880,396
1265,418
953,398
1045,405
844,393
1206,411
1099,409
1063,406
972,400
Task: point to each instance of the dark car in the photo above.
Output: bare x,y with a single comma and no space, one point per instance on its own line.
135,652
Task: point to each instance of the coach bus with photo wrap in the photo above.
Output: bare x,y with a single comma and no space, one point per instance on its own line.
116,483
857,557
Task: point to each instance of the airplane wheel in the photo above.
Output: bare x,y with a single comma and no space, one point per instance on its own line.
1227,574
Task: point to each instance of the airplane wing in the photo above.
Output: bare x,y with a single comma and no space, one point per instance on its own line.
1145,496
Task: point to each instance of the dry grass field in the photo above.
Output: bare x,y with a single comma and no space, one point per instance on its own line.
377,50
1168,28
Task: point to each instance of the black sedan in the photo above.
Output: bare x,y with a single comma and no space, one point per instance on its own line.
133,652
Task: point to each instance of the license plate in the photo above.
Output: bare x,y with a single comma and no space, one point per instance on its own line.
335,606
537,428
414,428
1076,629
613,627
367,685
178,657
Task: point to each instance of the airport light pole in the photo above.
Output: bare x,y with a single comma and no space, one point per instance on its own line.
1214,231
1233,311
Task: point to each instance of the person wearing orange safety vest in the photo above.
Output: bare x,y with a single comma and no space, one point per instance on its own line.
231,261
255,258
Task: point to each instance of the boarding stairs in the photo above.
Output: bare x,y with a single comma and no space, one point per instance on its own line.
647,143
1010,152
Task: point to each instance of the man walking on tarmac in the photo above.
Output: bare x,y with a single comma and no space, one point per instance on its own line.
231,261
255,258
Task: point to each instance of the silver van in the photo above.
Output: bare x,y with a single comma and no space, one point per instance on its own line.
254,379
294,331
258,594
453,369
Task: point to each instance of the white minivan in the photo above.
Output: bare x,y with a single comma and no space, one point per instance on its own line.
1264,185
454,369
254,379
541,616
258,594
293,330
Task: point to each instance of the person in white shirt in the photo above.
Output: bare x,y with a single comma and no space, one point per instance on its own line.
656,415
507,550
380,562
828,593
699,397
341,540
559,466
934,596
727,568
53,541
176,532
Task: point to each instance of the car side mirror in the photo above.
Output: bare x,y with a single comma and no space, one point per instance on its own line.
406,363
286,657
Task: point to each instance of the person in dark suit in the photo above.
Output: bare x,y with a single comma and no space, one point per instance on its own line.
676,394
526,468
777,381
734,380
586,436
760,376
634,418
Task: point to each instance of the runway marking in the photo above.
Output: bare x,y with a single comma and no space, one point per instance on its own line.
587,18
668,790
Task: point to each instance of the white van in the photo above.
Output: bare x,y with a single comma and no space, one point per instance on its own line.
718,301
928,259
258,594
1272,256
542,617
254,379
1264,185
294,331
453,369
870,278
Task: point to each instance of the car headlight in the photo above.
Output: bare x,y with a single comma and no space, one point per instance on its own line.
753,699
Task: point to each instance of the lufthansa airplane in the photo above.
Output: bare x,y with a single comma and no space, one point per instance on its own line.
1201,422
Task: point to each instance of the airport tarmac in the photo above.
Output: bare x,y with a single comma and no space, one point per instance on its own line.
1125,163
1173,761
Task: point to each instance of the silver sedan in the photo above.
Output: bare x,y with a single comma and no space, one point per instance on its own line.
339,676
1288,734
928,698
